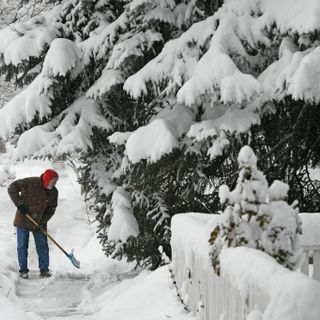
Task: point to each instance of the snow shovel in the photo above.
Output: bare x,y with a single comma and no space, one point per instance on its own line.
74,261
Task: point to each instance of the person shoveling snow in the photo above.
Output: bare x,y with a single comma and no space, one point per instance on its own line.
35,197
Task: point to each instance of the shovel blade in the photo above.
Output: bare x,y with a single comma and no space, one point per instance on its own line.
74,261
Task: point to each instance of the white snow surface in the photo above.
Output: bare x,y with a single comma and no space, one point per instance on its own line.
293,296
159,137
102,289
62,56
123,222
311,227
28,39
152,141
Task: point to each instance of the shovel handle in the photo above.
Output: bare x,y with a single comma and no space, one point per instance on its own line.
46,233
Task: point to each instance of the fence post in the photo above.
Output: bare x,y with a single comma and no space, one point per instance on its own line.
305,265
316,264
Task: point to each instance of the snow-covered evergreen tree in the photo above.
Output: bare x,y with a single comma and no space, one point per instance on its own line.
257,216
158,97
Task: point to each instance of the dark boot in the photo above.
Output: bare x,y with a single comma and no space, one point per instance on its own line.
45,274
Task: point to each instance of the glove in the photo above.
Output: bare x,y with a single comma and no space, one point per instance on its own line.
23,209
41,224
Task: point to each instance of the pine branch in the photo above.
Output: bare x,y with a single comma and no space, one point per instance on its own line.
278,146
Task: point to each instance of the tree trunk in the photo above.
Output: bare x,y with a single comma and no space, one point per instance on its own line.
2,147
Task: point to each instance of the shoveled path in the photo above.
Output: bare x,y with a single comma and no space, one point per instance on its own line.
57,297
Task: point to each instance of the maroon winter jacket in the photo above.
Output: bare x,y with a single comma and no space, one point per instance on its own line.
41,202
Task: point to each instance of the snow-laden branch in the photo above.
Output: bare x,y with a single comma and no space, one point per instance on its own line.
69,132
21,41
25,106
113,73
36,99
232,120
296,73
62,57
151,141
215,73
103,38
159,137
175,62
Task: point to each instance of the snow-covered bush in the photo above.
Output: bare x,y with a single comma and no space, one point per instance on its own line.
257,215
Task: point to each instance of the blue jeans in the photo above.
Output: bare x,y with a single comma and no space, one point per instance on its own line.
41,245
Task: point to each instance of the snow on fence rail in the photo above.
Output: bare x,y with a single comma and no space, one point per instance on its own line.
252,285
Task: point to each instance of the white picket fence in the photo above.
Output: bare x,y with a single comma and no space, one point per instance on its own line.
212,297
209,296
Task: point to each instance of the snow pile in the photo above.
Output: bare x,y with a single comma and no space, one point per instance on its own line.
289,295
123,222
257,216
143,298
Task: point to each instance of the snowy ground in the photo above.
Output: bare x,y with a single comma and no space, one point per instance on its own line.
102,289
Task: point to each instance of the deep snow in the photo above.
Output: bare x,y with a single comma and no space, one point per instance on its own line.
102,289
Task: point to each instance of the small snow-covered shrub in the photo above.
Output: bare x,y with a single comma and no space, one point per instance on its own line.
257,216
6,176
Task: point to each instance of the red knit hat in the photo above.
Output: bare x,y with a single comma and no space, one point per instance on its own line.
47,176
